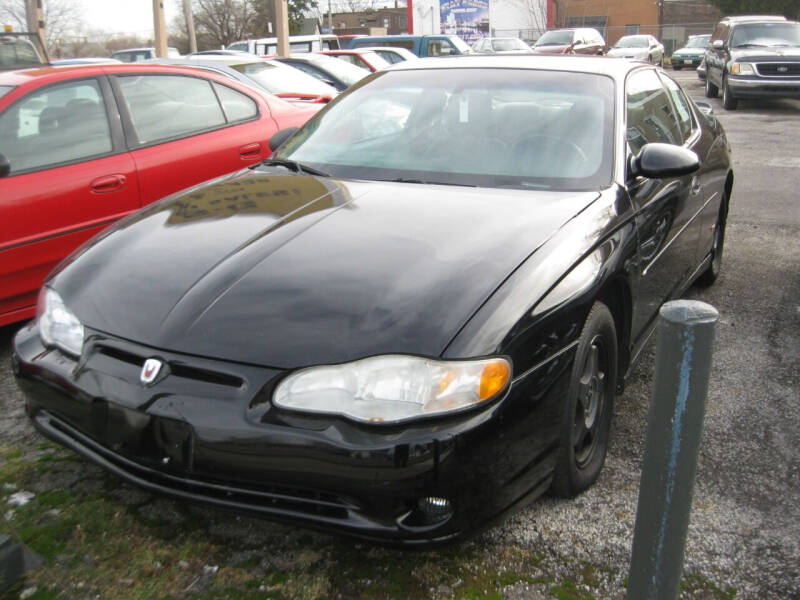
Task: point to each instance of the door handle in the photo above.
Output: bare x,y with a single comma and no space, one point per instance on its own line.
250,151
107,183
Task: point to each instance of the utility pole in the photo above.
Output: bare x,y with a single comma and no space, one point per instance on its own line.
160,27
330,18
34,15
187,14
282,26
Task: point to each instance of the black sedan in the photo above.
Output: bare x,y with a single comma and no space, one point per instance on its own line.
410,321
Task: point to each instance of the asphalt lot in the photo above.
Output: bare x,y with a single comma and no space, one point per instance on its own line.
744,538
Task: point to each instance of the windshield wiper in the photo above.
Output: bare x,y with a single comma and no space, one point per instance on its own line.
294,166
749,45
404,180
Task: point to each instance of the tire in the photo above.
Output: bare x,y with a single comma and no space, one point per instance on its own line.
728,101
711,89
710,275
589,406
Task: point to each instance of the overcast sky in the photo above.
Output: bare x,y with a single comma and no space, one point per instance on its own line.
125,16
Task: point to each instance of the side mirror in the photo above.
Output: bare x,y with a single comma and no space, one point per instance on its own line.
717,44
5,166
281,136
705,107
659,161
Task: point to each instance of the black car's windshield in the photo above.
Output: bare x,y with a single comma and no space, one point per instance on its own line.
634,41
481,127
555,38
766,34
698,41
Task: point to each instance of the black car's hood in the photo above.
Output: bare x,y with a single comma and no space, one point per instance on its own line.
288,270
782,53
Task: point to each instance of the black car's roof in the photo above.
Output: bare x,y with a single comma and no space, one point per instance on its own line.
602,65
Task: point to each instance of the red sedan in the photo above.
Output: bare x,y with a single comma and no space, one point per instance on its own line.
81,147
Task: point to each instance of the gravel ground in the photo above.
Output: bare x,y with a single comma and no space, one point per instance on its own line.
744,536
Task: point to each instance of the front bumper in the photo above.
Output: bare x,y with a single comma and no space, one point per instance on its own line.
207,432
687,62
759,87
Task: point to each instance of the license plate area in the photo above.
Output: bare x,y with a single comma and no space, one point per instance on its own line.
687,61
157,442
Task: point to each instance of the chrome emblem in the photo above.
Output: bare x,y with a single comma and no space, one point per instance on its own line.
150,370
783,69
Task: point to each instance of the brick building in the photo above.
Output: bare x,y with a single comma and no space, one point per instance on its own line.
671,21
372,22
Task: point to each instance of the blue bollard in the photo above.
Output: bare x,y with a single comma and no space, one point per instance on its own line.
674,428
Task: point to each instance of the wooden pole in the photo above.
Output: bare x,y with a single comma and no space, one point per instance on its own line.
282,26
160,27
187,14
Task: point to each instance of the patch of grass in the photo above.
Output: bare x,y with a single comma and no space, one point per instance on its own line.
695,584
568,590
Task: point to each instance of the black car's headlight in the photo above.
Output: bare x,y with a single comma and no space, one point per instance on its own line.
393,388
58,325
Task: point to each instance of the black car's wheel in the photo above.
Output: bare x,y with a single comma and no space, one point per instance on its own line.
589,406
728,101
711,89
710,275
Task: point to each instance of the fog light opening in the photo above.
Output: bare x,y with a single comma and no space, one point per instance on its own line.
434,508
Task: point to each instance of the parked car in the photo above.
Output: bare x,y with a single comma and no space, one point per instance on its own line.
381,331
268,75
570,41
83,146
21,50
347,39
330,70
494,45
691,55
701,70
392,55
639,47
366,59
421,45
130,55
297,44
753,57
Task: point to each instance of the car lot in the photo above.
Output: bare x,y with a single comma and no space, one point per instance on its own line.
743,540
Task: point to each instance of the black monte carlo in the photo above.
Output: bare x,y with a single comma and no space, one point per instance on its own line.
410,321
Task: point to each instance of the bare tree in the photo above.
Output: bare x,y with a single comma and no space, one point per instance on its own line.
63,18
535,14
224,21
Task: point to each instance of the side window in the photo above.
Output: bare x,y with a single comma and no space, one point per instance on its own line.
650,117
237,106
440,48
684,113
164,107
59,124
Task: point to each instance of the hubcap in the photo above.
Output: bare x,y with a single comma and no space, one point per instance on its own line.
590,404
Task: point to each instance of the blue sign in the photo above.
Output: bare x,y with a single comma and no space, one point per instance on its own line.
468,19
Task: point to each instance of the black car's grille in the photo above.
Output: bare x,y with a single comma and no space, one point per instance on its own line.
791,69
178,368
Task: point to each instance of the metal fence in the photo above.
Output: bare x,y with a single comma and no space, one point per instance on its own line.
673,36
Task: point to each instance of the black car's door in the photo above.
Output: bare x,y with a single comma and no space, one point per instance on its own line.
666,209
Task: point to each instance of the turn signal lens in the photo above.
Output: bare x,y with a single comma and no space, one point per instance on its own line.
493,379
